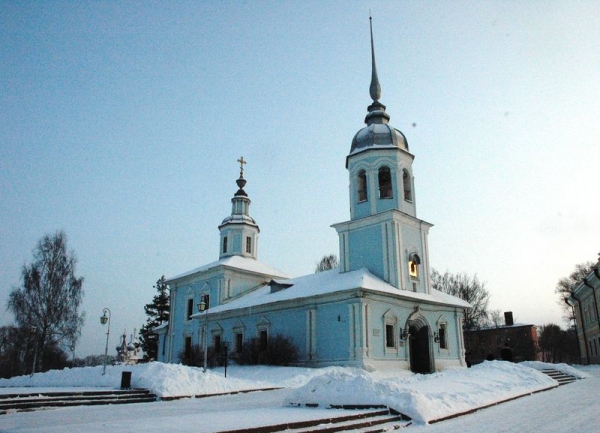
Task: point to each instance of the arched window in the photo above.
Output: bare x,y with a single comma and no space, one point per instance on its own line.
362,186
385,183
407,185
413,265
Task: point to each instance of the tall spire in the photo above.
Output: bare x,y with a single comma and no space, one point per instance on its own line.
376,110
375,88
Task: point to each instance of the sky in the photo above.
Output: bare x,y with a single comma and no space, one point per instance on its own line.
121,124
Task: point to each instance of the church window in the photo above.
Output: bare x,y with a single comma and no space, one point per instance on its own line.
263,338
442,336
407,185
390,340
225,244
390,323
248,245
413,266
217,343
362,186
188,347
239,341
190,308
385,183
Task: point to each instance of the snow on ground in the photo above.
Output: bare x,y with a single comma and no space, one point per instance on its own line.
423,397
429,397
565,368
168,380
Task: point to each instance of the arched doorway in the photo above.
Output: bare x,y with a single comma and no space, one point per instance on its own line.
419,343
420,359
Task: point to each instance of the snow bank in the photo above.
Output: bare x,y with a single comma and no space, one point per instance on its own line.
424,397
169,380
565,368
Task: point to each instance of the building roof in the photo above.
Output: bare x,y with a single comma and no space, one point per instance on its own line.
236,262
330,282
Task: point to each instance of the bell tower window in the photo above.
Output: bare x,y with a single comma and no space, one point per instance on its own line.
248,245
224,244
385,183
407,185
413,266
362,186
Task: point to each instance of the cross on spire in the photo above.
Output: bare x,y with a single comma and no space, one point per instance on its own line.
242,161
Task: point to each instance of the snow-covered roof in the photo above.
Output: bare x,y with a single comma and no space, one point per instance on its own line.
160,327
238,262
330,282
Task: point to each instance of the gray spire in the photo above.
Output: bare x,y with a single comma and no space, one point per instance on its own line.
375,88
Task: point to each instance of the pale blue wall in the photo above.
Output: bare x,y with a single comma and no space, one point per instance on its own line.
333,336
366,250
333,330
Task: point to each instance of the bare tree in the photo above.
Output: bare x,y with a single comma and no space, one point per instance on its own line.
47,303
495,318
469,289
566,286
326,263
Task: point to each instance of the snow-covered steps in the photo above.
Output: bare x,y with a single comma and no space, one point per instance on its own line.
379,419
10,403
559,376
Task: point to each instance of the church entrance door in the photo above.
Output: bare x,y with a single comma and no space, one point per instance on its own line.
420,358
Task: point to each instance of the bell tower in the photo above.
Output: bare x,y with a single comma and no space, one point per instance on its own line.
239,231
383,234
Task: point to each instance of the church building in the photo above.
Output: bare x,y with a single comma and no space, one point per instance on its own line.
376,311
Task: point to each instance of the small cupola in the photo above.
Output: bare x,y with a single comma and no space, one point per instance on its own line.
239,231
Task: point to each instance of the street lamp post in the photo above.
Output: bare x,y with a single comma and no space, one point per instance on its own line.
103,320
225,355
202,307
35,354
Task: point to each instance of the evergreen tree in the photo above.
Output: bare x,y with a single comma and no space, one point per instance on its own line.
158,314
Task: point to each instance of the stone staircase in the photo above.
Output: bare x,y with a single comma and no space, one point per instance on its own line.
10,403
379,419
559,376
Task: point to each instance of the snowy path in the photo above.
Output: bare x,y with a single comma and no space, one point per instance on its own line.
570,408
202,415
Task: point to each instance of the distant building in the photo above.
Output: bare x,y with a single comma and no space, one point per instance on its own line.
585,300
378,310
489,343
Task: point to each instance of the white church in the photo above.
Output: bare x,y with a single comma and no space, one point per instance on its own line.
376,311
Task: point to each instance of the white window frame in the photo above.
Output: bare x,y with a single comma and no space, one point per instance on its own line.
390,319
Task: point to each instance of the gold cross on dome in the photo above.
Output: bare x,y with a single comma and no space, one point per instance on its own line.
242,161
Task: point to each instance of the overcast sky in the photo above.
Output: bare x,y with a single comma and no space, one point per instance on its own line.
121,124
